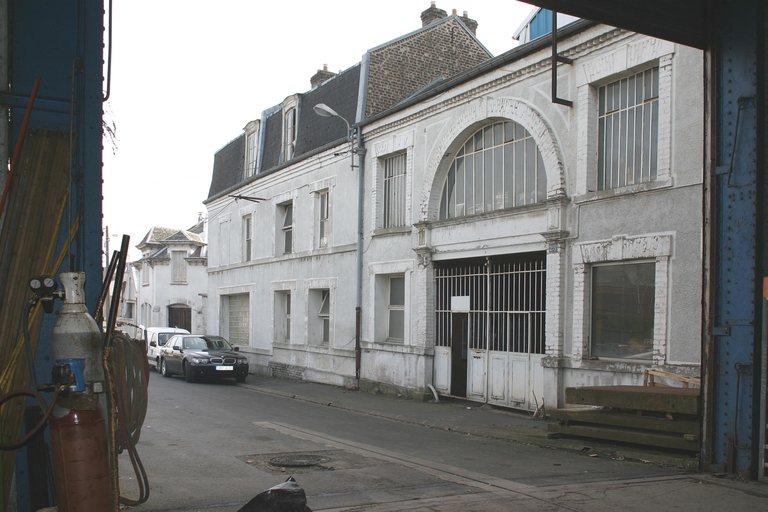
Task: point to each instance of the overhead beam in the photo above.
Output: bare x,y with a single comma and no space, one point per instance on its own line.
679,21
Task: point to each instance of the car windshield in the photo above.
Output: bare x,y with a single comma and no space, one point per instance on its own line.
217,344
204,344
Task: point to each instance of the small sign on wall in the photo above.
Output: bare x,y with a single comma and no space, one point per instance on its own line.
460,304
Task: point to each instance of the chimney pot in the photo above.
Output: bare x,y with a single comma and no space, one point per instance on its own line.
454,12
321,76
432,15
469,23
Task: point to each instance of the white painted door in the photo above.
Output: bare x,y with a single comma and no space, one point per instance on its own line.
442,362
476,377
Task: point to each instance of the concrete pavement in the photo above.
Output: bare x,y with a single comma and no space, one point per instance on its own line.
689,490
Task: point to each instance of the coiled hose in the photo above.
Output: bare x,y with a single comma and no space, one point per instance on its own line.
127,373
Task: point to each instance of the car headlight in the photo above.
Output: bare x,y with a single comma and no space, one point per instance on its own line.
242,361
199,360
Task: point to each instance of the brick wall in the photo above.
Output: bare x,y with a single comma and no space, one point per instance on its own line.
286,371
400,69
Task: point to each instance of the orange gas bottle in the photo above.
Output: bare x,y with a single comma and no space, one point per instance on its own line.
80,455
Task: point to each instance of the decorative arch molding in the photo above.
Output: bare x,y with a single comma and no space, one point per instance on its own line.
476,114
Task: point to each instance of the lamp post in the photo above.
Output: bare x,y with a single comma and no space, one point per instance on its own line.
324,110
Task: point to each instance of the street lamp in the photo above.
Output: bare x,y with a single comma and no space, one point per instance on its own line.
324,110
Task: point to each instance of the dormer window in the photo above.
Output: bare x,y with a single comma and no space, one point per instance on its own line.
251,148
289,107
289,134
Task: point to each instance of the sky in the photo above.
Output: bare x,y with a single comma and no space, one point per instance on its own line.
187,76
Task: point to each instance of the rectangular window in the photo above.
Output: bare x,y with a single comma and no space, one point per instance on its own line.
282,316
247,238
128,312
394,191
178,267
238,313
319,321
323,224
396,308
286,211
145,273
250,154
289,135
623,298
287,316
628,130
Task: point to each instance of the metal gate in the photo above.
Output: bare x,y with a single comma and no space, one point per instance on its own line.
489,336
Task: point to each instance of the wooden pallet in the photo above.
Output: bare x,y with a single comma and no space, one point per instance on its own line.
663,417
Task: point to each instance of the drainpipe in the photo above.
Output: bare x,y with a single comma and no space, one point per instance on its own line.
360,151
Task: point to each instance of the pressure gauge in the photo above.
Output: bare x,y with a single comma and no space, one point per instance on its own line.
43,286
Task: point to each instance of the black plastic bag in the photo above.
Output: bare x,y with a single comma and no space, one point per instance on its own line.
285,497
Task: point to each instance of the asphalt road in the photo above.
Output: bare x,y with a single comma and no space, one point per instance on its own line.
214,445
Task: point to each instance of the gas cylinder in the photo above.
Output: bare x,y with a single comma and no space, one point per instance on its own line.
80,455
75,334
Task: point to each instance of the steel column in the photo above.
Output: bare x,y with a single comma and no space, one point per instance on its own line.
734,282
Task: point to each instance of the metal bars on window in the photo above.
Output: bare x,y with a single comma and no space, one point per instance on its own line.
498,167
507,303
394,191
628,130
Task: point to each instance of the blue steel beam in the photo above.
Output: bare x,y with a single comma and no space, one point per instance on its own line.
61,41
736,231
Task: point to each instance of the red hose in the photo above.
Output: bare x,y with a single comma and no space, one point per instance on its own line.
19,143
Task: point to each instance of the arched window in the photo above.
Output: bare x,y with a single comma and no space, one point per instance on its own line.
498,167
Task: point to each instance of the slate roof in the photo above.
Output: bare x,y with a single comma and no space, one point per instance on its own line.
313,131
183,236
157,237
340,93
228,165
273,128
155,234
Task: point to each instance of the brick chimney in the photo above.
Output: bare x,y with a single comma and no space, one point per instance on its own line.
432,14
322,76
470,23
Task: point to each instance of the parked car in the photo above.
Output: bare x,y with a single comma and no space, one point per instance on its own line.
196,355
155,338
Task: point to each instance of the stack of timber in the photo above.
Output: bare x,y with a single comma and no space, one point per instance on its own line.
664,417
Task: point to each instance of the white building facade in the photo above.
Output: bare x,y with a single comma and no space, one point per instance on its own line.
511,246
171,280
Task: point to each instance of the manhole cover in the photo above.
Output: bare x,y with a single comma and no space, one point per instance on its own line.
299,460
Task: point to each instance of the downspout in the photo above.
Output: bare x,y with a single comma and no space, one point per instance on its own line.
360,151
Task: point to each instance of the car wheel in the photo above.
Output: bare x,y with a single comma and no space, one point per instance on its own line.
190,376
240,378
164,368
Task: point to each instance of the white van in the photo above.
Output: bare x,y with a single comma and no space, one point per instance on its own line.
155,338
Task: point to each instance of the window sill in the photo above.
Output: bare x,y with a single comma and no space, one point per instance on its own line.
638,188
400,230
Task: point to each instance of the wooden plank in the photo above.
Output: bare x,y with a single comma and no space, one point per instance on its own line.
646,438
643,398
626,420
650,374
